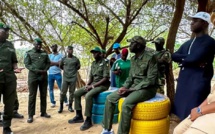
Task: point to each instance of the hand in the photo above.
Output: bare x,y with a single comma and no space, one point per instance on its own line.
117,72
194,115
1,70
42,72
88,87
122,91
18,70
160,60
202,65
112,60
131,89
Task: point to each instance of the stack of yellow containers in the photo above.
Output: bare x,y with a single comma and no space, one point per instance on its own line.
150,117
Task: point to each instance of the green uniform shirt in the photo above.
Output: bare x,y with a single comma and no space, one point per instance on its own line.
99,70
70,68
143,72
124,67
7,59
35,61
163,58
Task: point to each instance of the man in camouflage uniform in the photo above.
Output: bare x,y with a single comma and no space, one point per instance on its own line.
163,58
70,66
8,68
37,62
16,104
98,82
141,85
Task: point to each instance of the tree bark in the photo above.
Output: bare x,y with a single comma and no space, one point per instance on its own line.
170,45
202,5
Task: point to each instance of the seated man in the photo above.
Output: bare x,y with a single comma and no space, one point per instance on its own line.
98,82
139,86
201,119
163,58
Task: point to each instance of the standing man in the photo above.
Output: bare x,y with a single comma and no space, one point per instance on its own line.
114,57
195,58
98,82
70,66
54,73
141,85
8,67
37,62
121,68
16,104
163,58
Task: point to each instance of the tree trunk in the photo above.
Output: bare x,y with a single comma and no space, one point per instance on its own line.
202,5
170,45
80,82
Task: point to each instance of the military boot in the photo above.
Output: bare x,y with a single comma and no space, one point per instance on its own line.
7,130
87,124
78,118
61,108
17,115
70,108
1,123
30,119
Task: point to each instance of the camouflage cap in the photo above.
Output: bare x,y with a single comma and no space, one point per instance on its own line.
38,41
3,26
159,40
137,39
96,49
70,47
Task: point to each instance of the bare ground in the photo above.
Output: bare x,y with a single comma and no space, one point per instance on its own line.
57,124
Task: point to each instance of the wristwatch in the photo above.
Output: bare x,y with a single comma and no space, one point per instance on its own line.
199,110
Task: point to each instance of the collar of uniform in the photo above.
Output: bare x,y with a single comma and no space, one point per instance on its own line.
162,50
99,61
141,55
72,56
124,60
34,50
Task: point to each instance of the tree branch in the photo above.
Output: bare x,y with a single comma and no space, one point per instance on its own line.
92,28
112,12
49,20
14,12
137,12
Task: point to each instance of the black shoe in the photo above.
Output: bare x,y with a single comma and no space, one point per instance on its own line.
1,124
76,119
70,109
30,119
17,115
61,108
45,115
60,111
7,130
87,124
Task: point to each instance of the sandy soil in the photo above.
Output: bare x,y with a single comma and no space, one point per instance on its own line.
57,124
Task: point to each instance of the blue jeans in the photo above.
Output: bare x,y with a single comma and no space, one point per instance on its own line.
112,80
51,80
